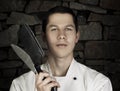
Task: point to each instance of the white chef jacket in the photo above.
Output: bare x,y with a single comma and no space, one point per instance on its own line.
78,78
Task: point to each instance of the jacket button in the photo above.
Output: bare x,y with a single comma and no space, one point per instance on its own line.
74,78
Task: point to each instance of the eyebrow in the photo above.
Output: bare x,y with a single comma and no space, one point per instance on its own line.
52,26
69,25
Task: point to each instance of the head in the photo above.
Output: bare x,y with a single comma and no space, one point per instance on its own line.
60,30
62,10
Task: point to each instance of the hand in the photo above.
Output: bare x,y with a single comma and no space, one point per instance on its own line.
44,82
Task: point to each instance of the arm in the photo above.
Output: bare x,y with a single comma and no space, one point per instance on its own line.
18,84
102,83
107,86
13,87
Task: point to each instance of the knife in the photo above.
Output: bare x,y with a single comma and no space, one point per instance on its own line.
33,50
28,61
24,57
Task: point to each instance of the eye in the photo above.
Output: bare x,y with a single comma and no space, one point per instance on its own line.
69,29
53,29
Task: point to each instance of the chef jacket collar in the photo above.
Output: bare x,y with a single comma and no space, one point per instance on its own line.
71,73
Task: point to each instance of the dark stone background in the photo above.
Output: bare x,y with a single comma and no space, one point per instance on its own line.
98,47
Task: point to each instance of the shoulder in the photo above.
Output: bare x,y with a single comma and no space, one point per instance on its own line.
87,71
24,81
92,77
26,77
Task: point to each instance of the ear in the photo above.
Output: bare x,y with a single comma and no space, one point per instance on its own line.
77,36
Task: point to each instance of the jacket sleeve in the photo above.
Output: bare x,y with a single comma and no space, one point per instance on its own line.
14,87
25,82
18,85
107,86
102,83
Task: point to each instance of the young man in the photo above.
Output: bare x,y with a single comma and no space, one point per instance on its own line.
61,70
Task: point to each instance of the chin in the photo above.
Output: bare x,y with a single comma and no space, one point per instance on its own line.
63,55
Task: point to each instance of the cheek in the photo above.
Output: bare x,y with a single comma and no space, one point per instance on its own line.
50,39
73,38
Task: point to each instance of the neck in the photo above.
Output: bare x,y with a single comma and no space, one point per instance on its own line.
59,66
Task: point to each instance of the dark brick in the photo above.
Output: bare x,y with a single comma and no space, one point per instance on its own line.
102,49
78,55
117,60
4,26
0,27
115,66
3,54
81,20
110,4
38,30
5,83
37,5
21,18
112,33
91,2
79,46
9,73
82,17
33,6
115,79
93,31
49,4
9,36
99,68
69,0
10,64
66,4
12,55
22,71
105,19
95,62
79,6
117,13
12,5
3,16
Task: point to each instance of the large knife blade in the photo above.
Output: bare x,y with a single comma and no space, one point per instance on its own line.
24,57
29,42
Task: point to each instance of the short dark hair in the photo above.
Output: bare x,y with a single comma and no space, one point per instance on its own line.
58,9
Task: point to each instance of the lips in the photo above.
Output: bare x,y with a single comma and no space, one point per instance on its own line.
61,45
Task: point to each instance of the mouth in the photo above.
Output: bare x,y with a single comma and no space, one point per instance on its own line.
61,45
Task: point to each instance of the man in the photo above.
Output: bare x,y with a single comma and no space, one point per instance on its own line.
61,70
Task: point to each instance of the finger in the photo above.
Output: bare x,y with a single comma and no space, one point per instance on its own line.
49,86
53,84
47,80
41,76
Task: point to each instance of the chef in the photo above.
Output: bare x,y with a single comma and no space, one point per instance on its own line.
61,70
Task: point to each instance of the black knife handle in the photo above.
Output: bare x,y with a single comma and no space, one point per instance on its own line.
39,70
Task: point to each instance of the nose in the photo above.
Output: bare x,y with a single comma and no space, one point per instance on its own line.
61,35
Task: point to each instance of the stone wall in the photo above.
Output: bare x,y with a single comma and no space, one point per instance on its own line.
99,43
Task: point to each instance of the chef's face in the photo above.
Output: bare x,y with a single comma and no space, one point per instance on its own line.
61,35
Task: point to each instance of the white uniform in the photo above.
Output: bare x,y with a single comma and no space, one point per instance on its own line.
78,78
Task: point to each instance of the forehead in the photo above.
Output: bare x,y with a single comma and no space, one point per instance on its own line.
60,18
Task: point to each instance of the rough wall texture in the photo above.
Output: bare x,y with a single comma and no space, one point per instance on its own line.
98,47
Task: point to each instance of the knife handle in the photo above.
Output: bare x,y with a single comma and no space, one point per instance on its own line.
39,70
